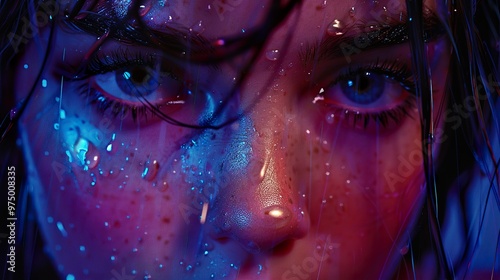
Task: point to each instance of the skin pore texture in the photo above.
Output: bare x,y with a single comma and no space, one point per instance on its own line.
294,189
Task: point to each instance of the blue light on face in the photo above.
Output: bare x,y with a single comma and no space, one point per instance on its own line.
365,88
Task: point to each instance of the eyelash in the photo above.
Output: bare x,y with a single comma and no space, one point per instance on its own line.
121,58
115,60
118,109
393,70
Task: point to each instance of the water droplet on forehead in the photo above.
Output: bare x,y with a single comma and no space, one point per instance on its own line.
272,55
335,28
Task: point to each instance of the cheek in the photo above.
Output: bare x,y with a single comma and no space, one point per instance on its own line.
366,191
100,196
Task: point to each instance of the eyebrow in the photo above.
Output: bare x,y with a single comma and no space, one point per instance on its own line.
176,43
348,44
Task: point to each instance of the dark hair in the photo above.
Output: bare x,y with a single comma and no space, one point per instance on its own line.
473,29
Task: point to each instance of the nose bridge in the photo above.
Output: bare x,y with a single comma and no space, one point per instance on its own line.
260,207
274,187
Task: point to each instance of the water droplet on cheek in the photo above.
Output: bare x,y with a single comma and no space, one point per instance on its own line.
322,5
61,229
110,148
13,113
330,118
93,157
404,250
272,55
150,170
94,180
352,12
87,153
220,42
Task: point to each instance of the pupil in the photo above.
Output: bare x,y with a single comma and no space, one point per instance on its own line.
364,83
138,80
139,75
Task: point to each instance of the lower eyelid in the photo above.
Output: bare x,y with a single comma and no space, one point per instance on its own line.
382,122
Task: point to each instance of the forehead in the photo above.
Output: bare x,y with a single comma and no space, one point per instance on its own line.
218,18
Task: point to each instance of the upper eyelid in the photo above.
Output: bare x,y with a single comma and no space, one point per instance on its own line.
386,67
102,61
405,81
119,58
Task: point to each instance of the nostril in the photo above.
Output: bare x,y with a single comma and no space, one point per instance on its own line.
283,248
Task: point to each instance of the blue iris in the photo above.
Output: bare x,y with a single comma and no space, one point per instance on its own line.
363,88
137,81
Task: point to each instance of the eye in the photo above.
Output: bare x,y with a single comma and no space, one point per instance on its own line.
131,85
366,92
145,85
138,80
376,95
363,88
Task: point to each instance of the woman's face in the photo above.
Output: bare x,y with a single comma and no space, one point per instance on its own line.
319,177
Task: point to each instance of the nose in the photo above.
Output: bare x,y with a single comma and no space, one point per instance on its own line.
260,207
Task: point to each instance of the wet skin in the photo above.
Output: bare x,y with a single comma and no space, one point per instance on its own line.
291,190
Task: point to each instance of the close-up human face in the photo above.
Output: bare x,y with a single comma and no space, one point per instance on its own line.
301,159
